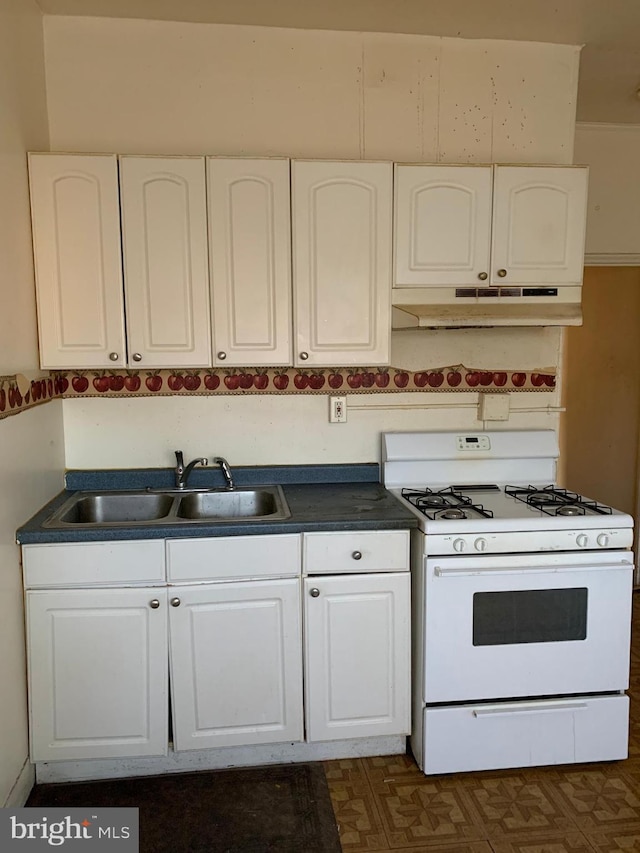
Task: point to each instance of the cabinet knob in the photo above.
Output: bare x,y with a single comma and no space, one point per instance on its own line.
357,555
315,592
222,355
483,276
114,356
502,273
136,356
154,604
304,356
175,602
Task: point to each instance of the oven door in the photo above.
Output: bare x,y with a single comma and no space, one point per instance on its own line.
541,624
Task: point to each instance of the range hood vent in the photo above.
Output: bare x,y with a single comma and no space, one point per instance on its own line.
467,307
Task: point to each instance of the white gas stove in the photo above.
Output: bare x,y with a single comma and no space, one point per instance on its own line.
521,604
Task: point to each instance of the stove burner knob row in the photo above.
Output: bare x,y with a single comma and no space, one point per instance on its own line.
479,544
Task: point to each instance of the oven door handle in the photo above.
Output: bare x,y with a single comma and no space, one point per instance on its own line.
468,571
527,708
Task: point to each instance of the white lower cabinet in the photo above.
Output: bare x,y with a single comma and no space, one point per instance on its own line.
107,633
357,655
97,673
236,663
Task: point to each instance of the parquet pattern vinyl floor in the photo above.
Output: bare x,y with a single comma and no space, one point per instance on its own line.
386,804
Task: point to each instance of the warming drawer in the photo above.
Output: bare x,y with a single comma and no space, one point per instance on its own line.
525,734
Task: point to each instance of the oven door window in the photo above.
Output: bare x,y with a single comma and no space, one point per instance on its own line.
529,616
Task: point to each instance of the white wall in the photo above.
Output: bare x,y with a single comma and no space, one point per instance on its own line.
160,87
31,444
612,152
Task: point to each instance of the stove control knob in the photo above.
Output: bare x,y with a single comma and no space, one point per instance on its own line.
582,541
480,544
603,540
459,545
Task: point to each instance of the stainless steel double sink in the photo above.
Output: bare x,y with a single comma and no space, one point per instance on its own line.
101,509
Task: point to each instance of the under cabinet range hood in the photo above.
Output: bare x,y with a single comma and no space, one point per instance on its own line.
495,245
455,307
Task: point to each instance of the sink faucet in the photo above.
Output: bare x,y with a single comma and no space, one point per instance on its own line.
182,472
226,471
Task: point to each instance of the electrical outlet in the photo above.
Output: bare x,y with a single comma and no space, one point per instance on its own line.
337,410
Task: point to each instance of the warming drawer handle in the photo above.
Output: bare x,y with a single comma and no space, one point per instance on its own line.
467,572
533,708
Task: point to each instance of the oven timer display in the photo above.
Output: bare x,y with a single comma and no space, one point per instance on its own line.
473,443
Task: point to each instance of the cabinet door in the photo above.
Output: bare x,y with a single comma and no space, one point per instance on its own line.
357,655
539,220
250,260
341,262
76,243
97,673
442,225
236,663
164,238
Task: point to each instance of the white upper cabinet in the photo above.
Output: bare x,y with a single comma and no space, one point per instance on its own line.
164,239
341,262
76,239
539,220
491,225
250,260
442,224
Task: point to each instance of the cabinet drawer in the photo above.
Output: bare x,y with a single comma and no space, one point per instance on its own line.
86,563
525,734
353,551
232,557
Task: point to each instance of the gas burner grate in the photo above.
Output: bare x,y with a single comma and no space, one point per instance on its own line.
555,501
436,504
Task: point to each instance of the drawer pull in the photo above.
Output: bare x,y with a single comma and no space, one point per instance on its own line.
154,604
175,602
357,555
532,708
315,592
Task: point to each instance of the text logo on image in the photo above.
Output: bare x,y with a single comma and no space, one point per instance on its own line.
36,829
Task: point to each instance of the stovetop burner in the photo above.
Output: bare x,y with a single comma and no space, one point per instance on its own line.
570,509
453,513
448,504
555,501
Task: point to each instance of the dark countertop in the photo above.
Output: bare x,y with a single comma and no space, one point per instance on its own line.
320,498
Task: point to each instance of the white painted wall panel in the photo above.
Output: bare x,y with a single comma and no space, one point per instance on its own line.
112,84
612,153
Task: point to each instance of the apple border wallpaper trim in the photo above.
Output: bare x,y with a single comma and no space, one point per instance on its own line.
19,392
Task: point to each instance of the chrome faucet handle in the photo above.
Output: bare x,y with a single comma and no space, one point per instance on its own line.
182,472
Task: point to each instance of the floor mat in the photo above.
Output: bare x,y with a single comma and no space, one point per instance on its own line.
285,808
